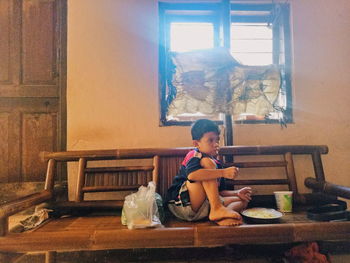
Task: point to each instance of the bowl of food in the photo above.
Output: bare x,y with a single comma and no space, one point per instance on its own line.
261,215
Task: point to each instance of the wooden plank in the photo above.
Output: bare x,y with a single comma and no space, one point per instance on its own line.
103,204
261,182
23,203
109,188
4,146
50,175
245,234
79,195
113,154
144,238
5,40
38,134
39,42
328,188
322,231
318,167
106,232
168,168
155,172
118,169
4,224
291,176
14,142
48,241
257,164
28,105
179,152
15,42
272,149
11,91
50,257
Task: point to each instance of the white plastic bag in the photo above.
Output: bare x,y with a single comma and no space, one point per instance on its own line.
140,208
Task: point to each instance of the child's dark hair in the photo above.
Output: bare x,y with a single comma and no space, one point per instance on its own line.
202,126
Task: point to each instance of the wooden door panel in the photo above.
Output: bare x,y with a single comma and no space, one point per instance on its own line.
29,104
9,147
4,146
5,66
28,126
39,42
32,112
38,134
29,91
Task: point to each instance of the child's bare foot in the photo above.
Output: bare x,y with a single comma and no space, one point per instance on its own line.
229,222
222,213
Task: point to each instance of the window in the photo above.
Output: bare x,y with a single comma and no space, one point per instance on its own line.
251,43
191,36
256,35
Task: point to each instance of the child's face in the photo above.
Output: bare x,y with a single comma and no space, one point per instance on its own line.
209,143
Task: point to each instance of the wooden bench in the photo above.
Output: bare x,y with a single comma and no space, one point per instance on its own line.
123,170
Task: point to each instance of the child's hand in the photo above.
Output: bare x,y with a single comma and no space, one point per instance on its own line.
230,172
245,194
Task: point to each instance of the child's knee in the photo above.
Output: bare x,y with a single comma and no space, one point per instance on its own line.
194,186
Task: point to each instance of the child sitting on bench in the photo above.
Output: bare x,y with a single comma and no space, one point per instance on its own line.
198,191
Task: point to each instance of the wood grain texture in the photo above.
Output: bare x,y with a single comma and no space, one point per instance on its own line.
15,206
5,41
290,172
79,196
328,188
50,175
39,132
106,232
32,81
4,146
39,41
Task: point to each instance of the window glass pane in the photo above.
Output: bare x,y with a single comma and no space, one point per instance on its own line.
249,31
251,43
191,36
254,59
248,46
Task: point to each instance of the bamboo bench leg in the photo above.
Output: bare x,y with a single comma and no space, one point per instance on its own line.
3,226
50,257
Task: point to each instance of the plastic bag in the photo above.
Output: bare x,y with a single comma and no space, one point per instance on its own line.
140,209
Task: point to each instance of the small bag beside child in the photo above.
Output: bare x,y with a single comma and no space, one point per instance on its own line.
140,209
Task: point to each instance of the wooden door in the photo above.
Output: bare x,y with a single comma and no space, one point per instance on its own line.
32,86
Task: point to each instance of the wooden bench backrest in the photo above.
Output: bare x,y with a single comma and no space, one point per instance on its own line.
116,178
166,163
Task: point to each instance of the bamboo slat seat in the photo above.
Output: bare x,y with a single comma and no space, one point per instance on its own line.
107,232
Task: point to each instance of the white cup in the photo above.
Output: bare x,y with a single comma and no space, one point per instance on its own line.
284,200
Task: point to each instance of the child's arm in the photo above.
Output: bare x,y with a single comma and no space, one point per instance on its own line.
243,193
209,171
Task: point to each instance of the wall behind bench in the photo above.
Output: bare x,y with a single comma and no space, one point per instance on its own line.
112,91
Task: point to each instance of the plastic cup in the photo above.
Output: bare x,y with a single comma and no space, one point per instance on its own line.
284,201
